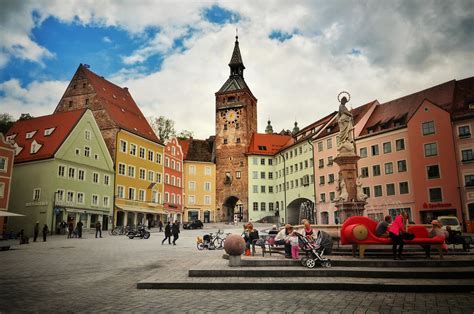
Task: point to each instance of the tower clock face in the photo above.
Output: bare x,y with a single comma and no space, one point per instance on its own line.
231,116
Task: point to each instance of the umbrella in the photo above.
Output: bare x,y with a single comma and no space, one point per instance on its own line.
4,213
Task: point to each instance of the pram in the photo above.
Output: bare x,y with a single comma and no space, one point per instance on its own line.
314,252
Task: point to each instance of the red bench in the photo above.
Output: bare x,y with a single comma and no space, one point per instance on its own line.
360,231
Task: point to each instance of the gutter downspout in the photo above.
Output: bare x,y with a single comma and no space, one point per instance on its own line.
314,182
284,187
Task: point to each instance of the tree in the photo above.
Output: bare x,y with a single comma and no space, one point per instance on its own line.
6,121
185,134
163,127
25,116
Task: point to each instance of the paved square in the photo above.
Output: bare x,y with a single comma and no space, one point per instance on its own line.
91,275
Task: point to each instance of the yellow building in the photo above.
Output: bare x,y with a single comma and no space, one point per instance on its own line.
138,180
199,180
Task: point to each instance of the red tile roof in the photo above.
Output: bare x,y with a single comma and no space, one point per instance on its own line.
63,123
120,106
198,150
185,147
463,97
402,109
268,144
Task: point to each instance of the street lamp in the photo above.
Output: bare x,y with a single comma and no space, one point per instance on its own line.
53,211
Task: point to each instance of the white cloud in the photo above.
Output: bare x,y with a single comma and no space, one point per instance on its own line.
405,47
106,39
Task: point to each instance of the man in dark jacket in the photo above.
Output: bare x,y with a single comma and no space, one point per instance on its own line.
167,233
98,229
45,232
79,229
175,231
36,231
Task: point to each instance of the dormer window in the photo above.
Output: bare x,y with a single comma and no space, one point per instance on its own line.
115,97
48,132
123,110
262,147
328,130
18,149
30,134
10,138
70,103
35,147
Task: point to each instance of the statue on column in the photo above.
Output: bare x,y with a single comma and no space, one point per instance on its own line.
341,190
345,138
361,196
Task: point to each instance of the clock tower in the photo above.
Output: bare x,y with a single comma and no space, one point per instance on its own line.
236,121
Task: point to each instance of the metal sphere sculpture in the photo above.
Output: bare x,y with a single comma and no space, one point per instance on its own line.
234,245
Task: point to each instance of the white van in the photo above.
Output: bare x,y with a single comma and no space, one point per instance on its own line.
451,221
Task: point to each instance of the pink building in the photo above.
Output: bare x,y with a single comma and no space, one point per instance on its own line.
7,155
173,173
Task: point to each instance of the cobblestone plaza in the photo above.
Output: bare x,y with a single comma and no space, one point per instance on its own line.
92,275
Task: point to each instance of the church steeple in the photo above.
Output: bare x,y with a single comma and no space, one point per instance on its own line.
236,64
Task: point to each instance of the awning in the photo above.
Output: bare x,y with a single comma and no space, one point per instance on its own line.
139,210
4,213
87,211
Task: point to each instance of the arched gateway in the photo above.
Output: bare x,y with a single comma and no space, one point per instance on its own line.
299,209
232,209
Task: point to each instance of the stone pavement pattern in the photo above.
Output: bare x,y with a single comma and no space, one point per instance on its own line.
84,275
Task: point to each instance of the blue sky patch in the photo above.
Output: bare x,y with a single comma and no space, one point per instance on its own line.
219,15
280,36
355,52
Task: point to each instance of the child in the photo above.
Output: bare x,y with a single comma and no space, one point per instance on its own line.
295,247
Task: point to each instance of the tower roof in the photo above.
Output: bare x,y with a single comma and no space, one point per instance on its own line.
236,58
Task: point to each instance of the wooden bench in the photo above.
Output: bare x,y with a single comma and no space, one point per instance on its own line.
360,232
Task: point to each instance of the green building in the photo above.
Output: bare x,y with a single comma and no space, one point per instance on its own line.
62,172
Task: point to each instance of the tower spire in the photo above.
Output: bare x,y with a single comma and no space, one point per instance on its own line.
236,64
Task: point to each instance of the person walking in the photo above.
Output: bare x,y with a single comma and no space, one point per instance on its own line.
160,224
79,229
45,232
36,231
70,229
395,231
98,229
175,231
167,233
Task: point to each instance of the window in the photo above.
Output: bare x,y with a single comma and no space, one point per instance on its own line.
254,174
320,146
131,171
270,206
173,164
435,195
387,147
87,135
375,150
191,199
120,191
255,161
95,200
154,197
364,172
262,189
131,193
95,177
158,158
464,131
121,169
80,198
403,187
70,197
87,151
467,155
263,206
133,149
377,190
432,171
78,151
270,189
167,197
178,182
225,141
36,194
192,185
262,175
321,180
390,189
192,169
72,173
389,168
331,178
207,186
151,175
106,201
207,200
321,163
270,162
469,180
431,149
123,146
141,195
61,168
173,151
376,170
332,195
150,155
142,174
262,161
402,165
366,191
158,177
255,188
363,152
255,206
330,161
329,143
270,175
306,164
106,179
238,140
400,144
207,171
60,195
178,166
428,127
142,153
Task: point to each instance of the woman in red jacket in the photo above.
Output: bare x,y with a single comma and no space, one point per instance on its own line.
395,231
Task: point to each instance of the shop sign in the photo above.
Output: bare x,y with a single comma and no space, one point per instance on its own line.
436,205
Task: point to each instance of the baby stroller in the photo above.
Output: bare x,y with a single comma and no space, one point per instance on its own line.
314,252
205,242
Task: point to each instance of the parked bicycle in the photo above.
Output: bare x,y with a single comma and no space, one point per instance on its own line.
211,241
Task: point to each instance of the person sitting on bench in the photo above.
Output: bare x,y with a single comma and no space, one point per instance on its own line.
282,238
455,237
381,230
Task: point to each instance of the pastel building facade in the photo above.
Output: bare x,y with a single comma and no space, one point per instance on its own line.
62,172
173,180
199,180
133,145
7,155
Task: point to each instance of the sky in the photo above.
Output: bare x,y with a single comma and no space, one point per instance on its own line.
173,55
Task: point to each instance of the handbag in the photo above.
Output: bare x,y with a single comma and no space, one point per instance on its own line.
407,236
